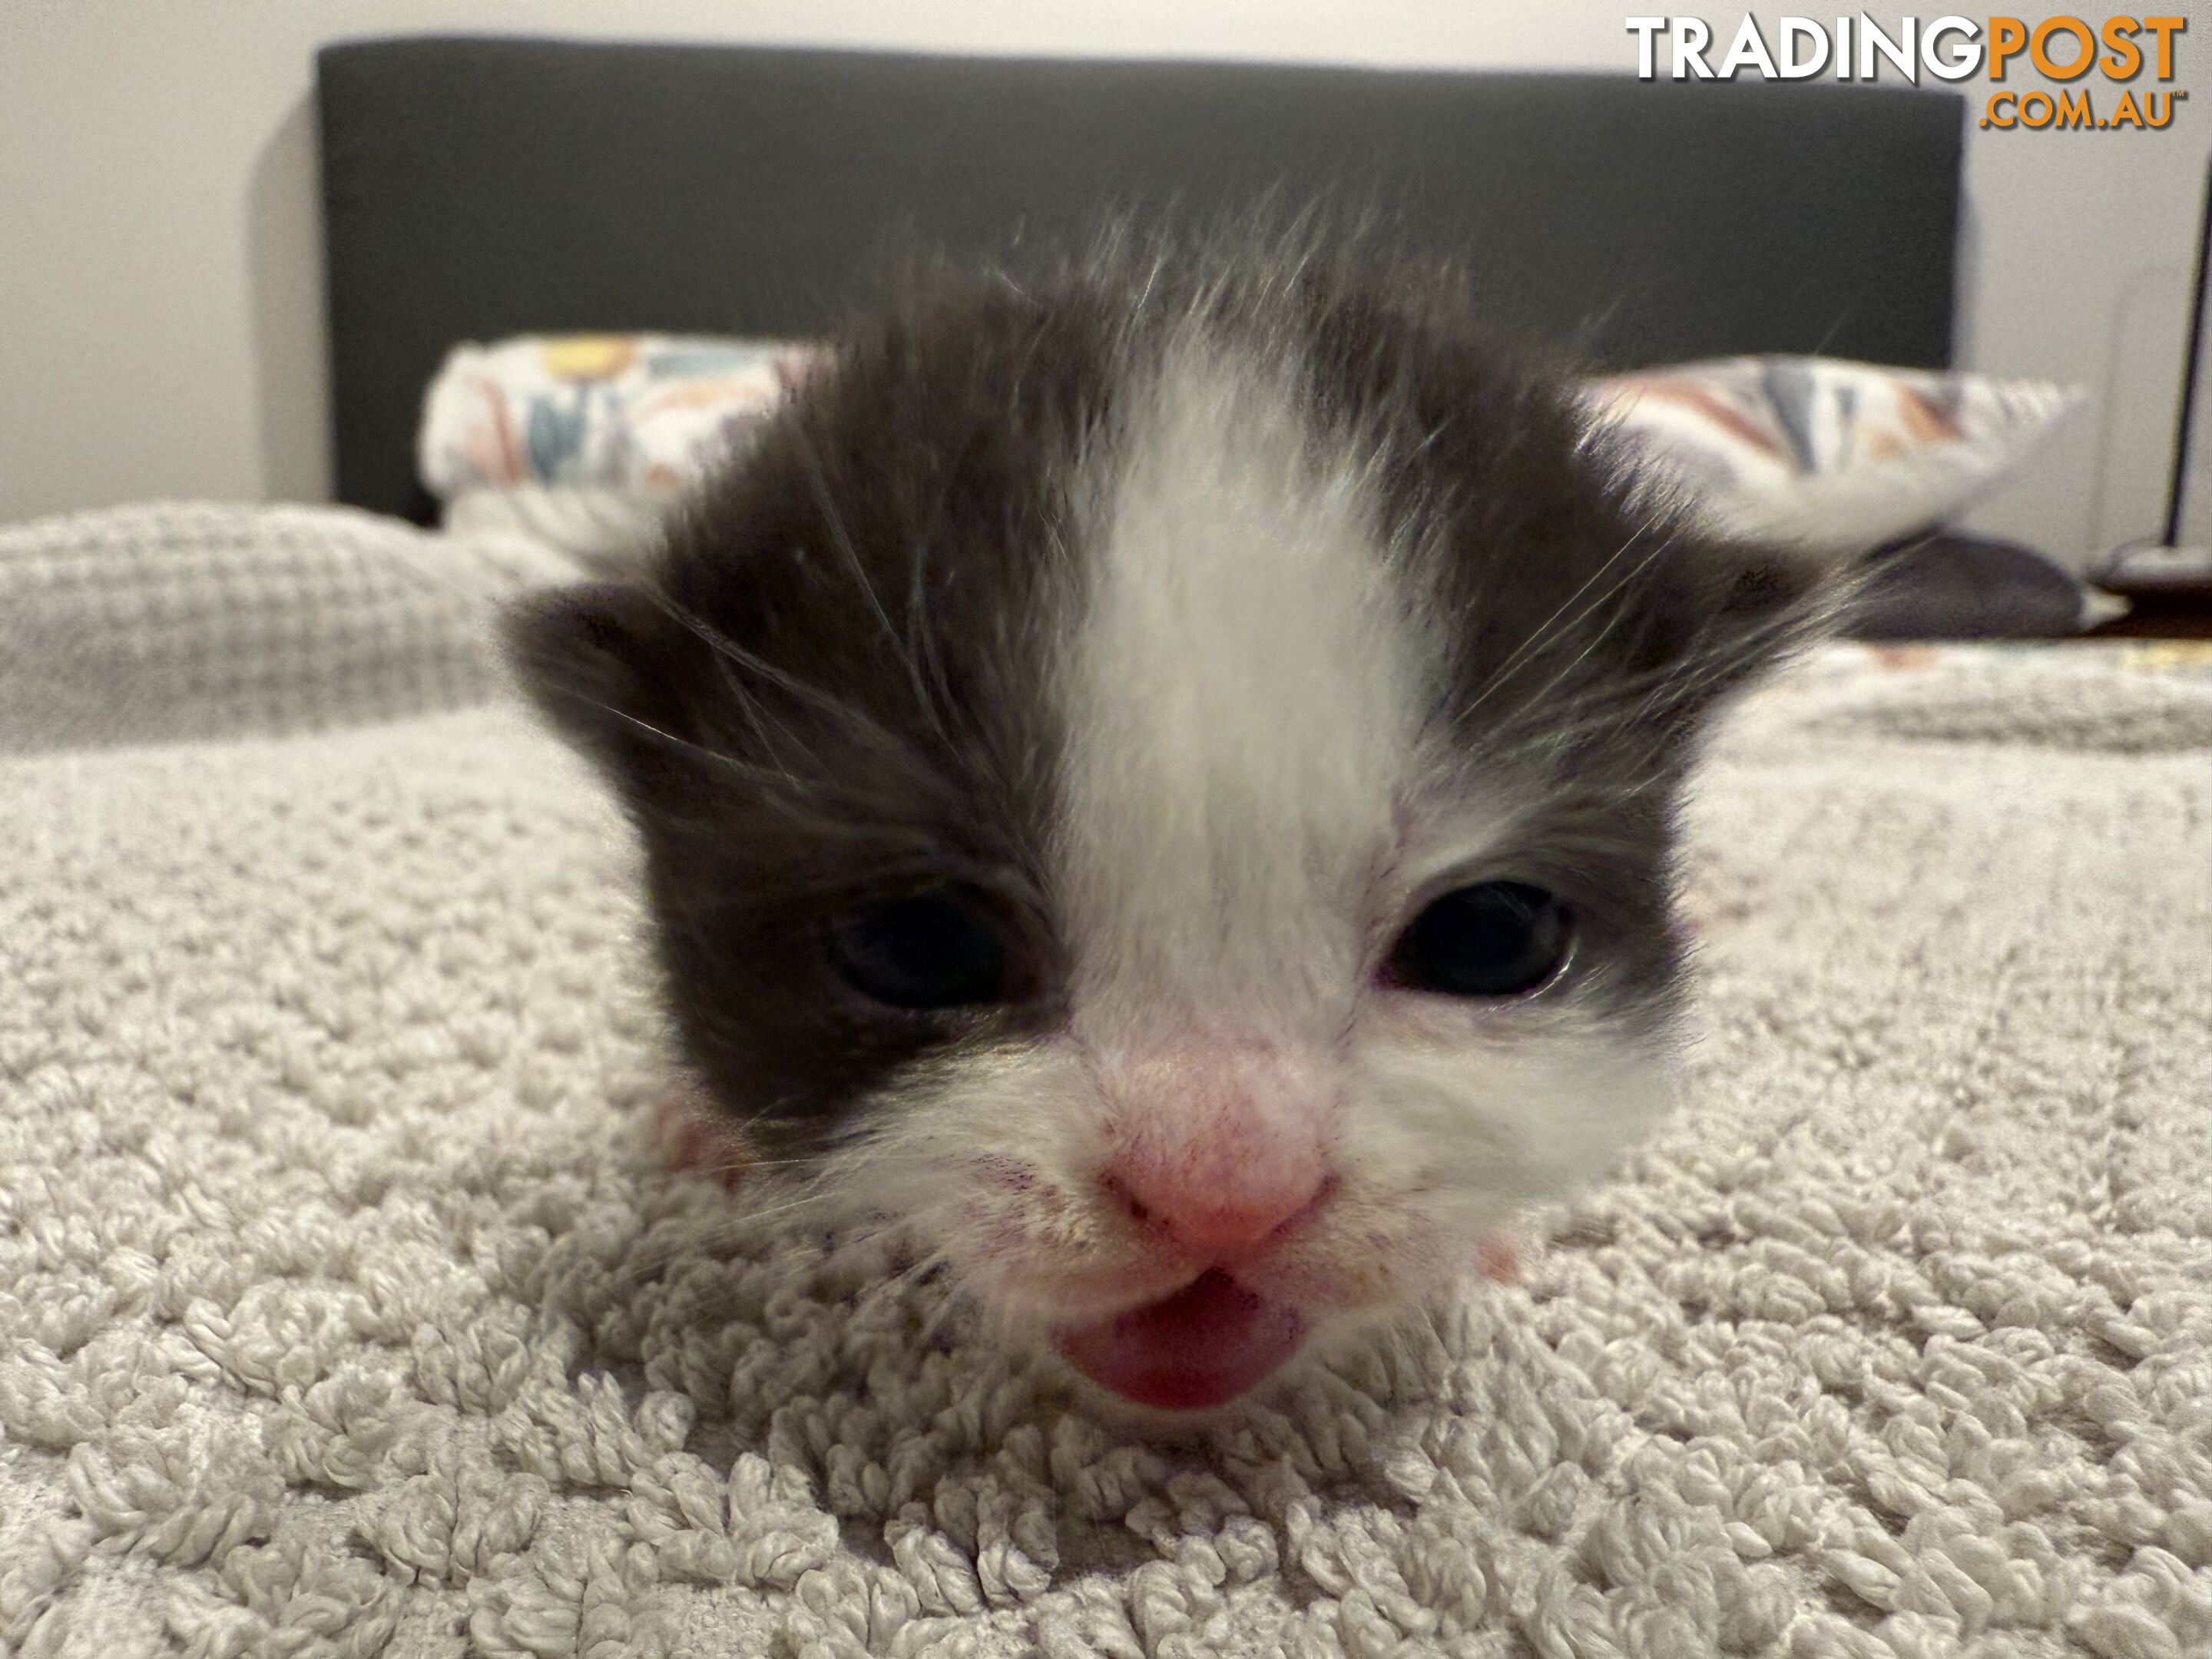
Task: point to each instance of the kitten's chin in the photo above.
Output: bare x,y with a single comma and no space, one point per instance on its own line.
1203,1346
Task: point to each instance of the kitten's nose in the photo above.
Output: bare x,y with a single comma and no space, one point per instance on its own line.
1220,1148
1203,1221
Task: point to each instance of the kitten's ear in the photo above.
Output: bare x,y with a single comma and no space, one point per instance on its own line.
606,664
1730,613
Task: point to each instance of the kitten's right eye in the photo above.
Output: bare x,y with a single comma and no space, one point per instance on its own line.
933,951
1493,939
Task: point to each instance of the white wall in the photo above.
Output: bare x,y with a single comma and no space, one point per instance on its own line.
160,266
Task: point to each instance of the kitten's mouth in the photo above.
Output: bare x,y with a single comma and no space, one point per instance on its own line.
1206,1344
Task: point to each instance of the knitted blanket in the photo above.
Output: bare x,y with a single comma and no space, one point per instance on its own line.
344,1309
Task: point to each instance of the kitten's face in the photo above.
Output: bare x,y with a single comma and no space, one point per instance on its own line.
1163,783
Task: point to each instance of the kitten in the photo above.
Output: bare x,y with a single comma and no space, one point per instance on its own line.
1161,779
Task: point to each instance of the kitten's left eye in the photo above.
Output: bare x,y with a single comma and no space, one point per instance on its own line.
933,951
1492,939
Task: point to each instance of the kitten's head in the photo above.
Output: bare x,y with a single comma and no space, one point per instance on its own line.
1163,779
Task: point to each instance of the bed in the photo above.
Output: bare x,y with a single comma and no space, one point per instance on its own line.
344,1306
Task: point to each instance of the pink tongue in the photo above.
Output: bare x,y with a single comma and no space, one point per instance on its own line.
1207,1343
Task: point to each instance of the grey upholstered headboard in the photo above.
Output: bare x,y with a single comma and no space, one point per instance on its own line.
477,188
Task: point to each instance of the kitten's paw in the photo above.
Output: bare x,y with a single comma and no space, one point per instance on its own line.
694,1139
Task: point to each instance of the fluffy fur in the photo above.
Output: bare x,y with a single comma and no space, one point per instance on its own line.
1207,614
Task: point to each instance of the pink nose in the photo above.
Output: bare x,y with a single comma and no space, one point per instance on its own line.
1220,1149
1207,1223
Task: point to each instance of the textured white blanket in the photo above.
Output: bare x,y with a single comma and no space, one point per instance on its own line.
342,1309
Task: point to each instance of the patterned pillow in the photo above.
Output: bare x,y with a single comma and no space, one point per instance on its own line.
642,414
1836,456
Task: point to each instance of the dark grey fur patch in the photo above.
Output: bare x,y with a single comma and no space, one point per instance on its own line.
830,686
1592,632
828,689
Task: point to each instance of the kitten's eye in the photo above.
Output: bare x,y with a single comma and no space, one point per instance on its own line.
934,951
1494,939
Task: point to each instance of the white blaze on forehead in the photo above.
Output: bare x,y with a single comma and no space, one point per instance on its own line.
1243,702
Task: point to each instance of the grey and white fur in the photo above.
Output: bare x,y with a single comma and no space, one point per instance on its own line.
1045,741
